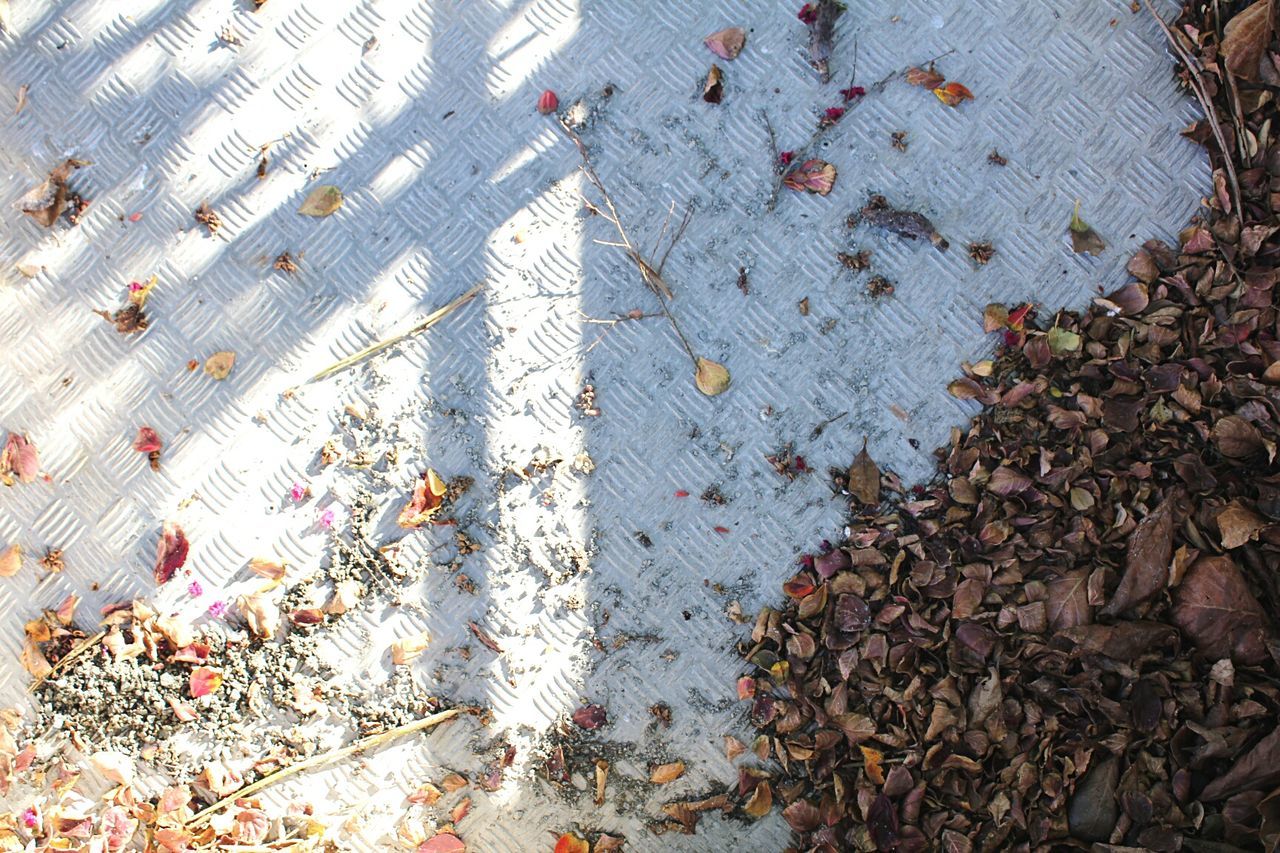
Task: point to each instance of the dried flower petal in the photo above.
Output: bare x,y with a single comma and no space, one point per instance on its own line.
407,650
727,43
815,176
548,102
10,561
19,457
171,552
953,94
203,681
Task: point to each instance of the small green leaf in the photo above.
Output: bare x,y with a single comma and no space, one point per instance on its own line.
1062,342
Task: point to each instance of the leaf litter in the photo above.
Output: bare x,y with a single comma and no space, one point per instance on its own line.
1054,512
1068,636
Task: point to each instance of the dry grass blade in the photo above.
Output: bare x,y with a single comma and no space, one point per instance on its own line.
373,349
328,758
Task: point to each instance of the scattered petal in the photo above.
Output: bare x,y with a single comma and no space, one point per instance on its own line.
171,552
590,717
10,561
664,773
19,457
548,102
203,681
727,43
713,89
815,176
953,94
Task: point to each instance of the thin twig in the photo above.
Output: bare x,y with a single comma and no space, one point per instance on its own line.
328,758
676,235
649,275
1237,113
1210,114
801,154
373,349
657,244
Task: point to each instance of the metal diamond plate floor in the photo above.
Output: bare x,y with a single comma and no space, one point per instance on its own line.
422,111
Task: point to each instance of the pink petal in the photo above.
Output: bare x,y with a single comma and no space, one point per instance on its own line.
445,842
727,43
147,441
204,681
20,457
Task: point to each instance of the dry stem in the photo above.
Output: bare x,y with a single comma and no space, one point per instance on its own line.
1210,115
652,276
373,349
328,758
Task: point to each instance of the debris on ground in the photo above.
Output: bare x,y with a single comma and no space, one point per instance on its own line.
1084,240
908,224
855,261
820,18
207,217
878,286
1068,636
982,252
52,198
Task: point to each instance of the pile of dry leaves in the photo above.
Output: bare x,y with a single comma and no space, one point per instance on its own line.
1068,637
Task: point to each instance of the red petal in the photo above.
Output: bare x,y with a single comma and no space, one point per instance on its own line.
171,553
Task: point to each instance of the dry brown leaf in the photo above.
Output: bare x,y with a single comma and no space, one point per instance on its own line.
1246,37
1146,567
10,561
928,78
1238,524
1216,609
321,201
871,759
864,478
661,774
1084,240
713,89
711,377
733,747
